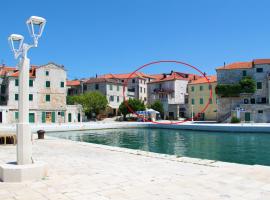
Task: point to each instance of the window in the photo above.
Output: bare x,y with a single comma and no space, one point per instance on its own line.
201,87
16,97
260,111
259,85
192,88
48,97
259,70
16,82
252,101
118,88
111,87
210,101
16,115
47,73
48,84
192,101
30,97
118,99
246,101
84,87
140,89
244,73
143,90
31,83
111,98
97,86
263,100
3,89
62,84
201,100
133,80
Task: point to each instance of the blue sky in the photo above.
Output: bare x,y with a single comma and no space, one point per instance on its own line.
103,36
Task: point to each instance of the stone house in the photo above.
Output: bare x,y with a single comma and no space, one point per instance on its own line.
199,98
247,107
171,91
136,83
47,95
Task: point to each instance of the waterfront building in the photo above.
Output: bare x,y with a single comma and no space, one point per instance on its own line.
136,83
171,91
47,97
246,106
199,97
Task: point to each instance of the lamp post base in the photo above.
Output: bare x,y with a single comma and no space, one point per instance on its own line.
11,172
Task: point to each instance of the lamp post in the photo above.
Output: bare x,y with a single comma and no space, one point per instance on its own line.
20,50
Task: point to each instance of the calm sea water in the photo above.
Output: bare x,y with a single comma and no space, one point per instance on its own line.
246,148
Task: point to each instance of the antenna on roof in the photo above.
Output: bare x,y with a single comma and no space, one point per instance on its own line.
3,62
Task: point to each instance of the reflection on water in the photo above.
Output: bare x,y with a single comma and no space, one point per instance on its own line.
247,148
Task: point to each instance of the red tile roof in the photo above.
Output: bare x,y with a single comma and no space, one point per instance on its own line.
125,76
202,80
102,80
73,83
236,65
32,72
261,61
4,70
175,76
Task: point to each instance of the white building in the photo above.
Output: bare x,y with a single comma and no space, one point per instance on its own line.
171,91
136,83
47,96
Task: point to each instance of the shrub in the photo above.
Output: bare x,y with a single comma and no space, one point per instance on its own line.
235,120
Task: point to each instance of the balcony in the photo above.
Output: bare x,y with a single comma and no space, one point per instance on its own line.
163,91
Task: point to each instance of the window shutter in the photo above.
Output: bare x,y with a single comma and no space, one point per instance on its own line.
43,117
53,117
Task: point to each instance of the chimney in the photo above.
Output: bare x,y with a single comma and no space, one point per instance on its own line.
164,75
172,72
224,64
96,76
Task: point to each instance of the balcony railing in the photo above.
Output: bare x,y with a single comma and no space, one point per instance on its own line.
163,91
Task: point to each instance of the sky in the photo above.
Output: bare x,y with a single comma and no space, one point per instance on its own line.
92,37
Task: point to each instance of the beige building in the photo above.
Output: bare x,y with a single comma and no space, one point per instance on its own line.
199,97
47,95
246,106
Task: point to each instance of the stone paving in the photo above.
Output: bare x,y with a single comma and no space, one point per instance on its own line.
83,171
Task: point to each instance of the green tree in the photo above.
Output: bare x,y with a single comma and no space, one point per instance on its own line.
157,105
92,102
248,85
134,104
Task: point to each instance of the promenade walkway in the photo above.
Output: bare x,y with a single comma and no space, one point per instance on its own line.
83,171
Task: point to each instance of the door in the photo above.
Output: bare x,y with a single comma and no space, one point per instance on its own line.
1,116
48,117
69,117
31,117
79,117
247,116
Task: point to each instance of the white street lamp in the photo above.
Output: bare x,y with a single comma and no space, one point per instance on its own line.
24,137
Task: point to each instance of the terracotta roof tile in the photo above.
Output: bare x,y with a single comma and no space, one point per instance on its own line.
175,76
102,80
73,83
202,80
261,61
236,65
125,76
